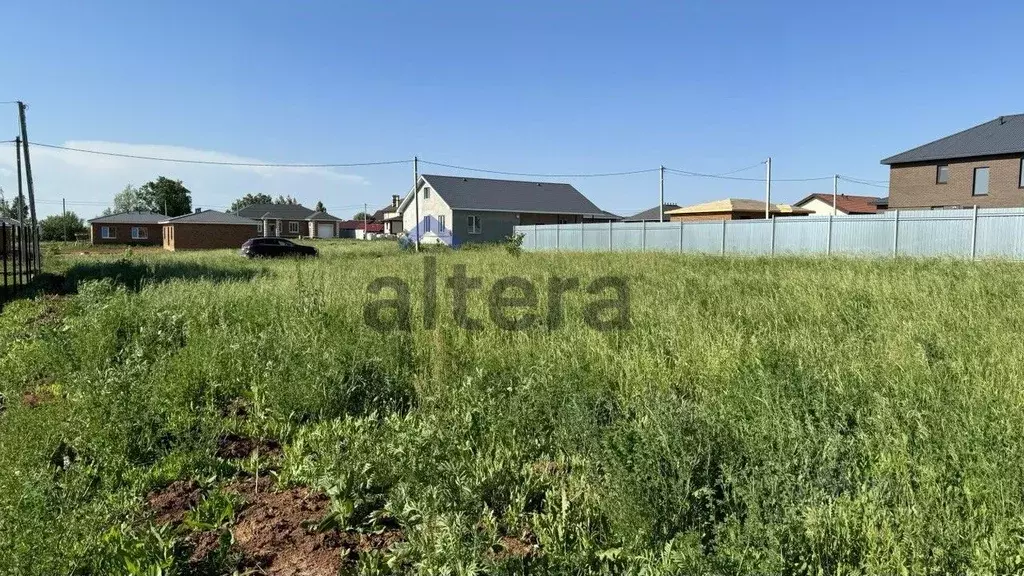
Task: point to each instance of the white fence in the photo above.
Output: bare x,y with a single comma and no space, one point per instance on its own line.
977,233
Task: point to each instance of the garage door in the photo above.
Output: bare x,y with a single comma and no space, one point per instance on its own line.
325,230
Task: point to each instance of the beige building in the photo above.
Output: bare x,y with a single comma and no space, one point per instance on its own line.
732,209
982,166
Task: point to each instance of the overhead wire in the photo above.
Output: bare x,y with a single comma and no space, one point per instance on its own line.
539,175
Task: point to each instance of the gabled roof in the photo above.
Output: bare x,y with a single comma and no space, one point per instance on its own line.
132,217
651,214
484,194
210,217
1004,135
322,217
846,203
358,225
736,205
276,211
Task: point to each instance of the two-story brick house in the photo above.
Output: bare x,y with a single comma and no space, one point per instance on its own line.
982,166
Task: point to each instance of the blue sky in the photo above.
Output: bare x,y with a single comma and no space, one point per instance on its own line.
529,86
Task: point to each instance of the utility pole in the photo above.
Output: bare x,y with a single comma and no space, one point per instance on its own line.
64,216
28,164
661,211
364,220
835,192
21,193
768,191
416,196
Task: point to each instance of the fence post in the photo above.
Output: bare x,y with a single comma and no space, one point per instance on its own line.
773,236
643,236
828,241
534,236
896,233
974,234
680,237
723,236
583,245
611,233
558,237
4,252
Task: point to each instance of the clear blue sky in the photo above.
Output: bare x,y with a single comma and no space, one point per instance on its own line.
822,87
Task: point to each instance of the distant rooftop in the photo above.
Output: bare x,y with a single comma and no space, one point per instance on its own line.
132,217
209,217
736,205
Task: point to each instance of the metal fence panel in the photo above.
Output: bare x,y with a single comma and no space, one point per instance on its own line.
748,237
981,233
801,235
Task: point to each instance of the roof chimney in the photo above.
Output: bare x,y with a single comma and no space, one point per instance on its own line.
198,210
1002,120
394,200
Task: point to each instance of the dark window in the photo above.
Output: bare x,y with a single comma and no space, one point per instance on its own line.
981,181
1022,172
942,174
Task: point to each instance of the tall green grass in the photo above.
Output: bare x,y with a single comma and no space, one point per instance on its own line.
783,415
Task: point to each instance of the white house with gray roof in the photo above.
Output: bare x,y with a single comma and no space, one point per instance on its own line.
455,209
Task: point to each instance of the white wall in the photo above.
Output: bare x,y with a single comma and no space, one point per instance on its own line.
819,208
433,206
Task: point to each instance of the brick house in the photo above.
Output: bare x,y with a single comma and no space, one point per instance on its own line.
982,166
207,229
732,209
135,228
290,220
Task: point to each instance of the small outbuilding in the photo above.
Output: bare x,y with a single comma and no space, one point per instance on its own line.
206,230
732,209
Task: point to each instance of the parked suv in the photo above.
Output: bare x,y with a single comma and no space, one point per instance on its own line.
271,247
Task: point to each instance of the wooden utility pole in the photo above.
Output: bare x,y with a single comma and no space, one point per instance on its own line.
768,190
64,216
364,220
28,164
661,213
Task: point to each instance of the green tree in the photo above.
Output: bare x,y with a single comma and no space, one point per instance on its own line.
61,227
359,216
249,200
166,196
15,209
127,200
320,206
286,200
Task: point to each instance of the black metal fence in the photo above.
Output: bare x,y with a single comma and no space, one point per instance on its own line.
20,256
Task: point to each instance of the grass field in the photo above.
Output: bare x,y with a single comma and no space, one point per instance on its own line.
758,416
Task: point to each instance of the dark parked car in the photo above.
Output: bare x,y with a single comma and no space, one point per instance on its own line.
271,247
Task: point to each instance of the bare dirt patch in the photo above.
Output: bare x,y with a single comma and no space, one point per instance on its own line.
38,397
516,547
170,504
274,532
234,447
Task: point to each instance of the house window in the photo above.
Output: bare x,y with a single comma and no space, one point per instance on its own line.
426,224
140,233
473,223
259,227
293,227
108,233
440,223
1022,172
942,174
426,192
981,181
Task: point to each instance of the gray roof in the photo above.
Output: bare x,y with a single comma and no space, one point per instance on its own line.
651,214
133,217
511,196
276,211
322,216
1004,135
209,217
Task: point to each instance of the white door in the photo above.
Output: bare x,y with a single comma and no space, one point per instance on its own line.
325,230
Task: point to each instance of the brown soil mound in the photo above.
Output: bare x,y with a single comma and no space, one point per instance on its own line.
519,547
170,504
235,447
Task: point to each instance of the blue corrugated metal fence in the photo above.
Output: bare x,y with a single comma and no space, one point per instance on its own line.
973,233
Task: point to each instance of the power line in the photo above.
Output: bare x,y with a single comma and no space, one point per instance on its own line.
534,175
726,177
864,182
221,163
